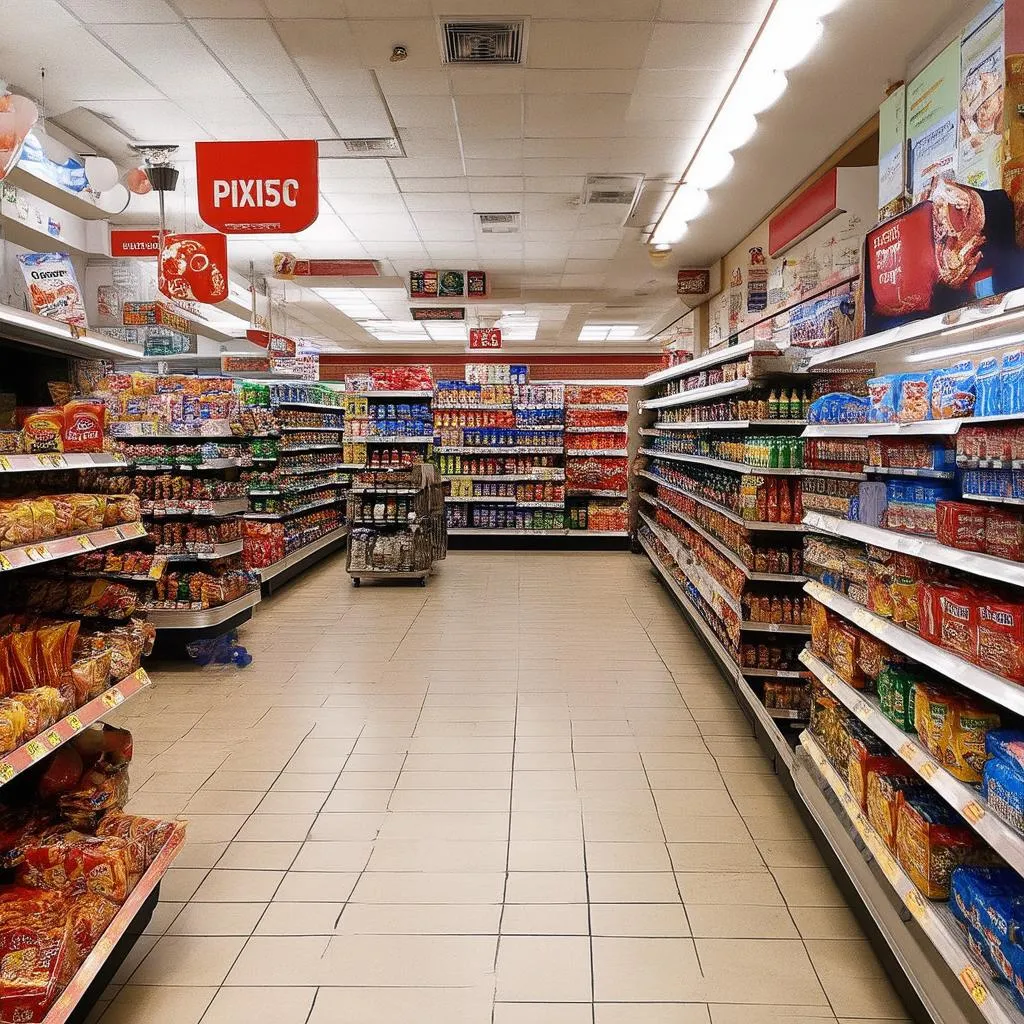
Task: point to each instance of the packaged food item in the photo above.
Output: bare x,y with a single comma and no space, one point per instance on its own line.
91,676
820,625
989,389
871,654
961,524
63,772
913,394
150,832
883,799
882,392
13,724
931,840
97,793
896,695
1013,382
83,426
988,903
842,654
953,392
42,431
932,704
1004,535
962,741
43,706
1003,788
869,754
1001,638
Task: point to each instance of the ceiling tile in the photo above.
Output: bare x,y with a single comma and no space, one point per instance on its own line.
221,8
358,116
376,39
495,184
573,116
305,8
253,53
543,201
582,280
308,127
422,112
498,112
546,82
344,203
429,142
434,185
147,119
439,202
400,80
392,9
324,51
454,225
492,149
576,44
672,108
496,202
483,81
564,183
714,10
699,45
424,168
494,167
140,11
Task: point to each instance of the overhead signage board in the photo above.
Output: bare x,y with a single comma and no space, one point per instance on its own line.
485,337
438,312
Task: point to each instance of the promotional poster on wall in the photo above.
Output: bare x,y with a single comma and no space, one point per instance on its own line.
933,108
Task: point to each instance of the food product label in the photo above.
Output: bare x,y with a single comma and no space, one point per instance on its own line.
914,903
112,698
38,553
7,771
53,738
84,541
74,722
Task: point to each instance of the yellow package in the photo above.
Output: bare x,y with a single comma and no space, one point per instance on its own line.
962,742
931,707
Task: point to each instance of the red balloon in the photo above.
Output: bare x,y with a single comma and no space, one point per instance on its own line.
138,181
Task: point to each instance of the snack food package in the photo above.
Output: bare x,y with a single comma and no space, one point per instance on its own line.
150,832
82,426
1002,785
1001,638
913,396
961,524
843,645
1004,535
36,962
821,620
13,724
962,741
42,431
896,695
97,793
931,840
91,676
953,392
64,858
989,389
867,755
883,800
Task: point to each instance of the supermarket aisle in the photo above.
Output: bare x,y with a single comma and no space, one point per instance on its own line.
522,794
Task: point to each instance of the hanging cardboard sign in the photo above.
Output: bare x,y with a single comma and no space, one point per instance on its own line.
258,187
693,281
194,267
438,312
485,337
447,284
275,344
143,244
288,266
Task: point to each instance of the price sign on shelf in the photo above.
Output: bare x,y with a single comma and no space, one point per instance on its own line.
53,738
971,980
5,562
84,541
35,750
75,722
7,771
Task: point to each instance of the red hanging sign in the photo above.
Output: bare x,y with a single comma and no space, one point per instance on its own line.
275,344
134,244
258,187
485,337
194,267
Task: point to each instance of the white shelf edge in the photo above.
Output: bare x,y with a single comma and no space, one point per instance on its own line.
729,387
192,618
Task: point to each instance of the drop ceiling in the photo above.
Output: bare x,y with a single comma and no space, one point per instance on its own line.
608,87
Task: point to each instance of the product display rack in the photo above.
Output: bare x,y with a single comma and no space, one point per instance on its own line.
376,420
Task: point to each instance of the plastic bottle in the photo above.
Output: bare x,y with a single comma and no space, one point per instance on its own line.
773,405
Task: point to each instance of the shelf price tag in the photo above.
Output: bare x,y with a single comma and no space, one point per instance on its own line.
5,463
914,903
7,771
5,563
909,753
928,770
38,553
973,812
112,697
84,541
35,749
74,722
53,738
971,980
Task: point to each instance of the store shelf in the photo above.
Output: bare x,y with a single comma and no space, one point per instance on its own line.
729,387
597,430
310,405
541,504
966,799
484,452
163,467
231,547
733,467
488,500
611,453
597,533
294,449
307,470
275,569
786,715
399,439
277,493
986,684
586,492
529,426
557,408
65,547
22,758
941,428
480,408
992,499
394,491
385,396
836,474
774,673
301,510
48,463
208,509
557,477
472,531
723,354
790,629
934,919
202,618
65,1006
749,524
926,548
312,430
728,425
730,668
596,407
931,474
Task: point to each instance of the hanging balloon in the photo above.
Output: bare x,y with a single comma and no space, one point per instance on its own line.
17,116
138,181
102,173
114,200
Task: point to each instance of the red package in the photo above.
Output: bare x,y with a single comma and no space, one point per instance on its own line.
900,285
83,426
1001,638
1004,535
958,621
961,525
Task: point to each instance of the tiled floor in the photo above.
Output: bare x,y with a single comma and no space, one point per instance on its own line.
522,795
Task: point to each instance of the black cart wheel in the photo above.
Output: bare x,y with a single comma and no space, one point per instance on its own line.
423,581
356,581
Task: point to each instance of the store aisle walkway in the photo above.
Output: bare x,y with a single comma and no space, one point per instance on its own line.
522,795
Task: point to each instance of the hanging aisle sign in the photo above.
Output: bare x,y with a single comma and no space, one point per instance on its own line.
258,187
485,337
194,267
275,344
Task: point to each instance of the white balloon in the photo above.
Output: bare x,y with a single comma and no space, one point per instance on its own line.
116,199
101,172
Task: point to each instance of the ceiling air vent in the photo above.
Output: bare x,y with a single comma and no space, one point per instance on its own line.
612,190
372,147
498,223
483,42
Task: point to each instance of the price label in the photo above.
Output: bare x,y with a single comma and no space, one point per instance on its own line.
53,738
84,541
74,722
928,770
35,749
861,708
7,771
119,530
112,697
971,980
5,463
38,554
57,461
909,753
5,562
118,457
915,904
973,812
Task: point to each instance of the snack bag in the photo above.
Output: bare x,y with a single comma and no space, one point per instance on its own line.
883,797
1002,785
42,431
883,394
913,397
869,754
962,740
83,426
989,389
932,704
1013,383
1001,638
953,393
931,840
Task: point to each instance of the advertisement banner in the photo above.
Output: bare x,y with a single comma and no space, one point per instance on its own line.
194,267
163,341
447,284
52,287
957,248
933,107
138,244
438,312
485,337
288,266
892,154
693,281
258,187
275,344
982,95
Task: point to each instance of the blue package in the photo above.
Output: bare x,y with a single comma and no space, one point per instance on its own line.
882,393
1007,745
954,392
914,396
1002,785
989,389
1013,382
839,408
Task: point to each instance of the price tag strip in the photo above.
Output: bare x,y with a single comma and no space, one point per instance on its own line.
66,547
14,763
935,919
966,799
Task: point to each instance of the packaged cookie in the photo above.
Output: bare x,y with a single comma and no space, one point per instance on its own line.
932,840
883,799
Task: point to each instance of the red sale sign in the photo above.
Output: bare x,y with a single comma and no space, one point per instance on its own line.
485,337
258,187
275,344
138,244
194,267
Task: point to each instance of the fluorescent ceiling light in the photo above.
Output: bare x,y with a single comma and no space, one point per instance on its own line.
982,323
758,88
609,332
732,128
686,203
969,346
353,302
447,332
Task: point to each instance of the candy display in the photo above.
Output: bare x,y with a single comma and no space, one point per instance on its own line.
146,404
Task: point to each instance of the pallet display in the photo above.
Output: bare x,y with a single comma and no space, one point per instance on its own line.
297,487
725,511
396,524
